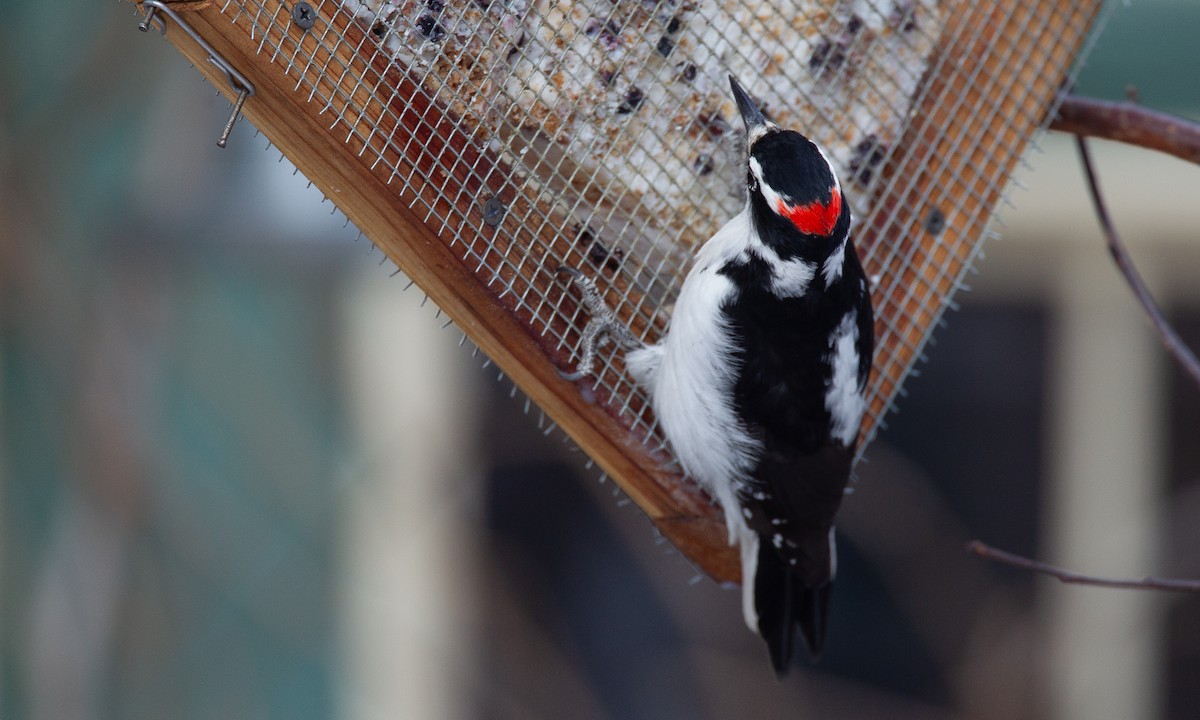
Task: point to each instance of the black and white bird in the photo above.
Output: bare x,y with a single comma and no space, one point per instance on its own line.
759,383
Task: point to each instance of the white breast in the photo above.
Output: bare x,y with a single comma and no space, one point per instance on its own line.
690,376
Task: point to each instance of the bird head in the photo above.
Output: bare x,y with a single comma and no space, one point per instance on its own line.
790,180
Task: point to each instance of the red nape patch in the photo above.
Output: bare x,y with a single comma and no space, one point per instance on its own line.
815,218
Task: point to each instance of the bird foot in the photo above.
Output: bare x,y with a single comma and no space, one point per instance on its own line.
603,326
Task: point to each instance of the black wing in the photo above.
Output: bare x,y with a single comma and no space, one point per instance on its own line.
800,478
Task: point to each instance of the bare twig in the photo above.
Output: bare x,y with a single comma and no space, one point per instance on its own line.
1124,122
1166,333
988,552
1129,123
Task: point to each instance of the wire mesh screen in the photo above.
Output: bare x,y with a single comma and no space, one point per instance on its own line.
600,134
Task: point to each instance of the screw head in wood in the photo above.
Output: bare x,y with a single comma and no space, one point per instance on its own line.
493,211
935,221
303,15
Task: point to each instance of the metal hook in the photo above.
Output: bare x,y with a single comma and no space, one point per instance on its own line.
237,82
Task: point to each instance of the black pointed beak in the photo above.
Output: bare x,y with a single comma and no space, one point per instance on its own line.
751,115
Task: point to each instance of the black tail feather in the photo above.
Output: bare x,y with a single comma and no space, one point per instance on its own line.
814,616
783,601
773,604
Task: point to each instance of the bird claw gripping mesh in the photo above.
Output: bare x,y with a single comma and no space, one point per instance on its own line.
602,326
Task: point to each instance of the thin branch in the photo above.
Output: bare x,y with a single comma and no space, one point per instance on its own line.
1166,333
1004,557
1129,123
1124,122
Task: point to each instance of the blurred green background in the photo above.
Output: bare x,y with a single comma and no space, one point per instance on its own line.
244,475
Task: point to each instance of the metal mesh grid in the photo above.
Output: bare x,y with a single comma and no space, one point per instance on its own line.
600,134
977,163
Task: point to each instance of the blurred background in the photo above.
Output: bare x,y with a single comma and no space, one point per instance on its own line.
245,474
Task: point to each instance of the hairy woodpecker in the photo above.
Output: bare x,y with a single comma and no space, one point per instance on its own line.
759,382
